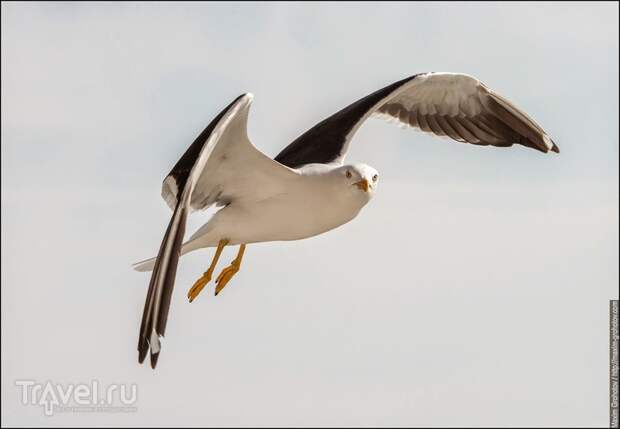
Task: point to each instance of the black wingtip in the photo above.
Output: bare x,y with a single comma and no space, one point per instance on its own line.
154,358
555,147
142,354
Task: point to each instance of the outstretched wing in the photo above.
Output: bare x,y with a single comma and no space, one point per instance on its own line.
221,166
232,168
455,105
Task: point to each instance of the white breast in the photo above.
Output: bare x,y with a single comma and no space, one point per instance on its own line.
311,206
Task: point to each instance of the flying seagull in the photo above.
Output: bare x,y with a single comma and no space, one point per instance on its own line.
307,189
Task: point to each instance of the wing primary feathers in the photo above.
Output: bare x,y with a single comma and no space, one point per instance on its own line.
447,128
460,124
463,108
555,147
437,130
530,133
158,297
423,123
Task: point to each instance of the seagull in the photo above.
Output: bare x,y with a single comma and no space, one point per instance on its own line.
307,189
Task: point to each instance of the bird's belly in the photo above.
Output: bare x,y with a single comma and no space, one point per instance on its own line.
283,219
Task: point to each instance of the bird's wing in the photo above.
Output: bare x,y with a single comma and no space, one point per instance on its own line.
221,166
233,168
455,105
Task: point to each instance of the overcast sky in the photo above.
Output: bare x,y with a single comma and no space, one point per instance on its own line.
473,290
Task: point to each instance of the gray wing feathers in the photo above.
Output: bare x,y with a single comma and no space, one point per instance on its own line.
463,109
454,105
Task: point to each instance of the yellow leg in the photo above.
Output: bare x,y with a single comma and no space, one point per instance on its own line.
228,272
206,277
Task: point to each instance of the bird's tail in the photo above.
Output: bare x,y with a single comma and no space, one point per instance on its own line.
149,264
144,266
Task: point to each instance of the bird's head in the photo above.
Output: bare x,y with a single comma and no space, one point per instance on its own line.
361,179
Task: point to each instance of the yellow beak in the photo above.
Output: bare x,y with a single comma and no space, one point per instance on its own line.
363,185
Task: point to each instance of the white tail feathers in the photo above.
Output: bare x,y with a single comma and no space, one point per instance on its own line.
146,265
149,264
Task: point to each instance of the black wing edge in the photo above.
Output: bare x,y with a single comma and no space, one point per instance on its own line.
325,142
161,285
180,171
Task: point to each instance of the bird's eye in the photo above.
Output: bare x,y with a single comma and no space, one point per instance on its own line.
348,174
375,177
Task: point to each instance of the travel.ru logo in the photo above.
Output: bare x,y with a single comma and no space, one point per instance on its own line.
78,397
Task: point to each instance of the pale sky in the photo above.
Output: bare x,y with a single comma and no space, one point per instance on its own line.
472,291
